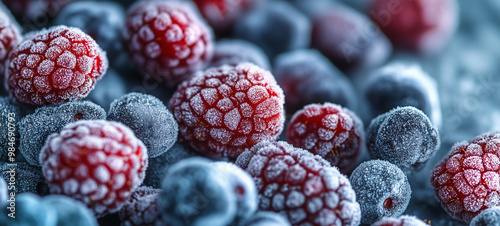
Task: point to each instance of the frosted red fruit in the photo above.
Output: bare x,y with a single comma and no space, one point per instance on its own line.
141,208
300,185
97,162
54,66
418,25
167,40
467,181
330,131
221,14
225,110
9,37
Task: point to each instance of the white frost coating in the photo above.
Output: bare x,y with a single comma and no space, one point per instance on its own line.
225,104
256,94
38,48
213,117
88,186
146,34
330,121
232,119
295,199
70,186
115,163
100,193
246,110
269,108
210,95
32,60
325,134
67,60
62,78
492,180
119,181
221,135
101,173
197,104
46,67
153,50
162,21
174,33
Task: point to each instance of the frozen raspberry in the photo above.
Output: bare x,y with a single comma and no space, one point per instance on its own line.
349,39
489,217
10,36
221,14
225,110
422,25
299,185
97,162
141,208
330,131
55,66
405,137
400,221
236,51
167,40
382,190
467,181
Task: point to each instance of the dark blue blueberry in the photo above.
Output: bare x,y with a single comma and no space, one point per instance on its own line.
4,192
382,190
111,87
35,128
404,136
27,178
70,212
29,210
150,120
235,51
264,218
488,217
10,115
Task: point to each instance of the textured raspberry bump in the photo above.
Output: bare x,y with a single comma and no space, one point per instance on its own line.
300,185
97,162
55,66
225,110
167,40
9,38
328,130
467,181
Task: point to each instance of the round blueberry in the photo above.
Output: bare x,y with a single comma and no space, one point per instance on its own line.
29,210
488,217
69,212
28,178
235,51
265,218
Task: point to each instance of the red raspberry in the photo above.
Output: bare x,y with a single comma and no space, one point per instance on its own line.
225,110
167,40
142,208
421,25
467,181
300,186
221,14
55,66
330,131
97,162
9,36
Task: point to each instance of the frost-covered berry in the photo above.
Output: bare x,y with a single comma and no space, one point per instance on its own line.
242,186
235,51
330,131
225,110
422,26
488,217
141,209
38,11
35,128
221,14
266,218
10,115
108,89
307,77
404,136
69,212
467,181
4,192
276,27
349,39
157,167
399,85
10,37
167,40
400,221
29,210
53,66
96,162
382,190
149,118
195,193
28,178
301,186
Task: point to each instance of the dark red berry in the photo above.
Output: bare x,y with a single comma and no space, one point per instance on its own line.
9,38
141,208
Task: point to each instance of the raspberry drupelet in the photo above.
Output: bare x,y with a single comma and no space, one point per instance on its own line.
467,181
10,36
330,131
53,66
225,110
97,162
299,185
167,40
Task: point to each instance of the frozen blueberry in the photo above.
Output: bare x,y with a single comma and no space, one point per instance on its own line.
382,190
194,193
404,136
4,192
10,115
276,27
29,210
102,20
488,217
109,88
69,212
402,220
399,85
242,186
265,218
157,167
150,120
236,51
312,8
306,77
35,128
28,178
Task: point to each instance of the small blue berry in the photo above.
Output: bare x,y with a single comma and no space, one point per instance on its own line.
235,51
28,178
10,115
111,87
4,192
265,218
69,212
488,217
29,211
382,190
